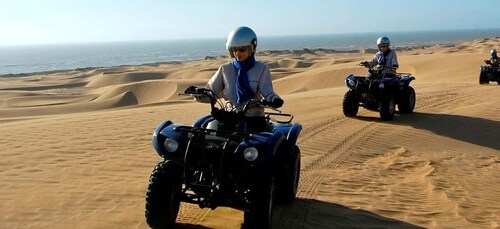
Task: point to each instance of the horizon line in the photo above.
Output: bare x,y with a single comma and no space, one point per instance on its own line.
213,38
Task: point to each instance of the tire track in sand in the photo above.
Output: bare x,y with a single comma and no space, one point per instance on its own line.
331,154
314,172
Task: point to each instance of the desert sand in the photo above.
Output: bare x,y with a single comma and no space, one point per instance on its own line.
76,145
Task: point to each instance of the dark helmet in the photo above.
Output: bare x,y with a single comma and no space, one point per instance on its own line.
241,36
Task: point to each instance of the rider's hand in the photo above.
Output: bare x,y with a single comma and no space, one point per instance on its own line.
364,63
202,98
277,102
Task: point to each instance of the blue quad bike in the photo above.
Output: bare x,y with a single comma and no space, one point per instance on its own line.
379,92
216,162
489,73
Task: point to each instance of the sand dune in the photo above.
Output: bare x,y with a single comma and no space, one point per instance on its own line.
114,79
76,145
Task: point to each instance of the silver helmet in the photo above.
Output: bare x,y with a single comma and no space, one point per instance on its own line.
384,41
493,53
241,36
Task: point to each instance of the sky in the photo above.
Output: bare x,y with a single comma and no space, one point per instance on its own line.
76,21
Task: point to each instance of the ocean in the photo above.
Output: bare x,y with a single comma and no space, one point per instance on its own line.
40,58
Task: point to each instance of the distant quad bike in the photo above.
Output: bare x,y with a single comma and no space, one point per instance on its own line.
215,162
489,73
379,92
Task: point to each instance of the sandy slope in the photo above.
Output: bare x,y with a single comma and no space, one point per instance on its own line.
76,151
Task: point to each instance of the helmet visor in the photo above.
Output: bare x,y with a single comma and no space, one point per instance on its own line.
240,48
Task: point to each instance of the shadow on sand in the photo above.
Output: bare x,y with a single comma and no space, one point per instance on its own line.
310,213
478,131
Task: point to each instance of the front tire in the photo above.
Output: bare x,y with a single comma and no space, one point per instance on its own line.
408,100
387,108
163,196
287,187
483,78
259,214
350,104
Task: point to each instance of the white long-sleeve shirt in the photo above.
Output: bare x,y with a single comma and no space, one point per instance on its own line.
390,61
223,83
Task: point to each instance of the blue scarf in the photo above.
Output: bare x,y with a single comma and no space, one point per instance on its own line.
383,58
243,90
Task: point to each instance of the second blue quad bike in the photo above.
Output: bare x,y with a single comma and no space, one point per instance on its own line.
216,162
379,92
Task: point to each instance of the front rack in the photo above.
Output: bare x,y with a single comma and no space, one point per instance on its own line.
234,135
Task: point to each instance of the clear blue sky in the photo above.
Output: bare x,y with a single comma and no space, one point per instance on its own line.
68,21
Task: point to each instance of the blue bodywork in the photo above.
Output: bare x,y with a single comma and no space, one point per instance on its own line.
266,142
391,84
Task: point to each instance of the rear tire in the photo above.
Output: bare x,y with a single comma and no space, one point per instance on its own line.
387,108
350,104
163,196
260,212
407,101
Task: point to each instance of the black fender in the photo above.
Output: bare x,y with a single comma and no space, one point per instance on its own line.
166,130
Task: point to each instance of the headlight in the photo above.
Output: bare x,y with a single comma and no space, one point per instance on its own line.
170,145
250,153
350,83
381,85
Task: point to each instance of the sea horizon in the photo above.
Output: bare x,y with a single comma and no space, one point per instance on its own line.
28,59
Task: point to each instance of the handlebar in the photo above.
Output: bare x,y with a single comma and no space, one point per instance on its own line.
226,109
376,67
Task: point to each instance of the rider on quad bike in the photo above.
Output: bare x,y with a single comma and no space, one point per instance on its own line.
216,162
244,78
491,71
384,57
383,88
494,60
237,156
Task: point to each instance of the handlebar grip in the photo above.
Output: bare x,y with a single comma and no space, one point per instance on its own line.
276,103
264,102
195,90
190,90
